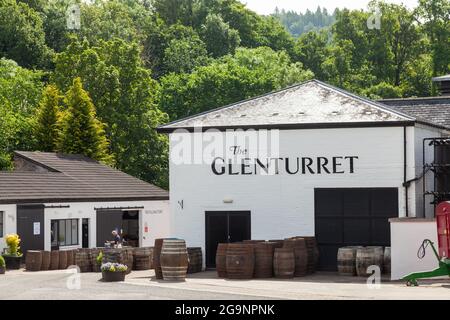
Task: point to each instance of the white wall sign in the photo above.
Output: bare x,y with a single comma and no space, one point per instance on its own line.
36,228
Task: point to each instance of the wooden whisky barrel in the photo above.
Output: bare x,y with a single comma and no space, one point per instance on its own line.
142,258
221,260
264,252
54,260
365,257
346,261
378,256
70,257
195,260
284,262
387,260
82,260
156,258
300,253
174,259
240,261
62,260
128,258
46,260
33,260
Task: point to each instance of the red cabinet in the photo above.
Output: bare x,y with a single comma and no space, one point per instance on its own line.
443,228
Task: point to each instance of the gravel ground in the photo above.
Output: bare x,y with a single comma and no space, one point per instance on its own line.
141,285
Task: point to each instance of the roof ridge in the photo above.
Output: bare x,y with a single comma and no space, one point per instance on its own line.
365,100
237,103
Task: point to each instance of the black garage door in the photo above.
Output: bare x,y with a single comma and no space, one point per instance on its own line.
350,217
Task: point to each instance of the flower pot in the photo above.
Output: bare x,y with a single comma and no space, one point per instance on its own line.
12,262
2,270
113,276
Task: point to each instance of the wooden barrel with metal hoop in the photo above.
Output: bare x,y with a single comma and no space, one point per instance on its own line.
284,262
300,253
174,259
142,258
240,261
54,260
195,260
33,260
157,258
62,259
221,260
264,252
46,260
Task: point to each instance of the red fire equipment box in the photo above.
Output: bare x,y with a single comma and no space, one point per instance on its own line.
443,228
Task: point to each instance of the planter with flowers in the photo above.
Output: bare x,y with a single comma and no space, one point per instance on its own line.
13,255
112,271
2,265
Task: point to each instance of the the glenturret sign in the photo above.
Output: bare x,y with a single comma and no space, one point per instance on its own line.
286,165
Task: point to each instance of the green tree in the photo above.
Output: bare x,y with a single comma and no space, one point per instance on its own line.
436,17
311,50
22,37
47,127
124,94
338,66
81,131
220,39
182,56
250,72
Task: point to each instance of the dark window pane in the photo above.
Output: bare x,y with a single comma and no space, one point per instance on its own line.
1,223
74,231
68,233
62,233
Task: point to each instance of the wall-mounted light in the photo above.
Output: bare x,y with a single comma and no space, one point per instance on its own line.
227,200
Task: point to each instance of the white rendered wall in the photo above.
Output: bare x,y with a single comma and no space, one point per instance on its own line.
9,220
406,237
155,216
283,205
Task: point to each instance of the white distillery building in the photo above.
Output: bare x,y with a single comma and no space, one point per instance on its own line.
60,202
325,163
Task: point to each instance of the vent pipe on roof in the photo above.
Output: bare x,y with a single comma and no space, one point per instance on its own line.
443,84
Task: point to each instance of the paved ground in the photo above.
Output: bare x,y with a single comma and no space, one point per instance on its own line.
205,285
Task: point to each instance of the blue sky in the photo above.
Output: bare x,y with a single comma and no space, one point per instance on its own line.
268,6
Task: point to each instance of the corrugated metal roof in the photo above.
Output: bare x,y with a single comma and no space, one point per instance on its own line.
72,178
306,103
432,109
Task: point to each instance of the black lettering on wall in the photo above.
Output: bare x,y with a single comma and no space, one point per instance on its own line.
351,158
262,166
336,164
288,170
245,165
322,163
221,171
307,163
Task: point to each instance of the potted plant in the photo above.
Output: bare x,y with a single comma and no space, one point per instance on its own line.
98,262
112,271
2,265
13,255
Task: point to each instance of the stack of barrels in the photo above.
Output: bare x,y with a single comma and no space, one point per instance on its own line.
40,260
355,260
286,258
142,258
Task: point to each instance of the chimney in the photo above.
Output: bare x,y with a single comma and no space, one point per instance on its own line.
443,83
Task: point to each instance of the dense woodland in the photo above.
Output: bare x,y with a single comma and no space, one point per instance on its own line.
102,89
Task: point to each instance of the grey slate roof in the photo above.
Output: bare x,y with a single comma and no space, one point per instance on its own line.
311,102
72,178
433,109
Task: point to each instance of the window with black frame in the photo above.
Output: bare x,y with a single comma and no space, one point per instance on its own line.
64,232
1,223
